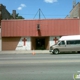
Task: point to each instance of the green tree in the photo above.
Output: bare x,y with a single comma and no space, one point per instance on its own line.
17,16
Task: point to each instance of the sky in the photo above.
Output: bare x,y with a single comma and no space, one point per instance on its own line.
49,9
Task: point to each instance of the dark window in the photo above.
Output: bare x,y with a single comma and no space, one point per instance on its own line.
72,42
62,43
77,41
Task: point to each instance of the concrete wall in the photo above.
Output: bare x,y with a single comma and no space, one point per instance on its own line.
21,45
52,41
16,43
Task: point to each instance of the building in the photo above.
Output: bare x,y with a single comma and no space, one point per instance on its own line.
4,14
0,40
36,34
75,12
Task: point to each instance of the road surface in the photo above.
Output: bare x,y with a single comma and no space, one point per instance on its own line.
39,66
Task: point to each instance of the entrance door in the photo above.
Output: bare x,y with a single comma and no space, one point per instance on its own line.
40,43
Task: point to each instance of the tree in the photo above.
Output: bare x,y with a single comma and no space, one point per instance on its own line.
16,16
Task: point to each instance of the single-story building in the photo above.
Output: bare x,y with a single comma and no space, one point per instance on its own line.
36,34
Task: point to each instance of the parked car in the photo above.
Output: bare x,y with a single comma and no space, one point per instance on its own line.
69,43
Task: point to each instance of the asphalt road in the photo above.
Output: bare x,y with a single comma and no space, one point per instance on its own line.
39,66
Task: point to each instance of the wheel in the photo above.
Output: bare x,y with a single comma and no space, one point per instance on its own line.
56,51
78,52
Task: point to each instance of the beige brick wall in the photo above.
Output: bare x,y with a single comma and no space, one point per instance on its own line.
75,12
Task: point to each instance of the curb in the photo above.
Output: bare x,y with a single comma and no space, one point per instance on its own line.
24,52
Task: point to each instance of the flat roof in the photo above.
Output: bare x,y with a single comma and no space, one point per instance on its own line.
70,37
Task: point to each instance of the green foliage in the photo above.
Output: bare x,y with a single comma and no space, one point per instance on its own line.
17,16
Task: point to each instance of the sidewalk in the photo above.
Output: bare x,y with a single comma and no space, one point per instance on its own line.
24,52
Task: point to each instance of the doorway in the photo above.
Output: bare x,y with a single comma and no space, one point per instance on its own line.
40,43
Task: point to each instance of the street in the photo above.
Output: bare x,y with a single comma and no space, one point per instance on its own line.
39,66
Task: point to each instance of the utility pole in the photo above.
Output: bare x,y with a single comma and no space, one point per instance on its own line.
40,12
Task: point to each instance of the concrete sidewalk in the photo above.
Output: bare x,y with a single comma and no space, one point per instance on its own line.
24,52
